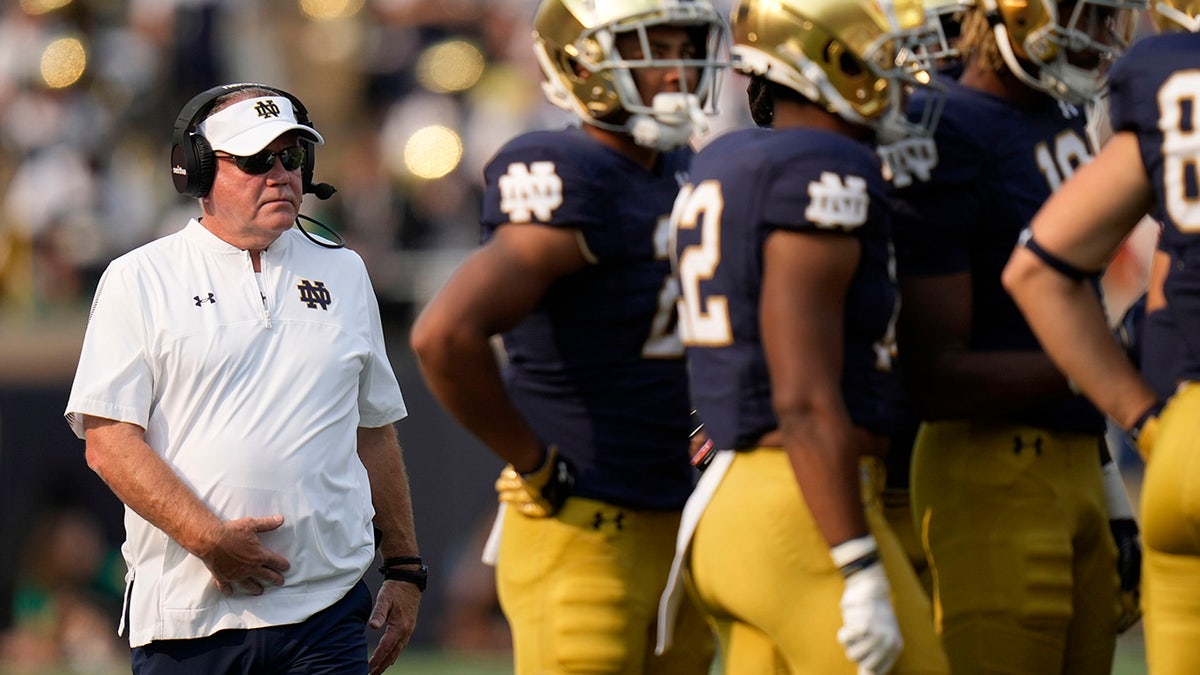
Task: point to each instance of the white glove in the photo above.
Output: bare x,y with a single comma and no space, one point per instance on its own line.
869,633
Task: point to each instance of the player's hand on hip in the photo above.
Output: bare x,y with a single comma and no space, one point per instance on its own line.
870,633
239,562
541,492
396,613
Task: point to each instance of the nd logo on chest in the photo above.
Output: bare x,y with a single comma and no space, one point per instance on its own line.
314,294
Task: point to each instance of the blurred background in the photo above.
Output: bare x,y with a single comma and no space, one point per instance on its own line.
412,97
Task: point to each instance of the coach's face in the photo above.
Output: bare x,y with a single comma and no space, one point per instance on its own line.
249,210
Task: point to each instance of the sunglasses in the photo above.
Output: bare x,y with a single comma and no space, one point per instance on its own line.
291,158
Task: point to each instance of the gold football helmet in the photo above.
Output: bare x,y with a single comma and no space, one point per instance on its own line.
575,42
1173,15
1064,56
854,57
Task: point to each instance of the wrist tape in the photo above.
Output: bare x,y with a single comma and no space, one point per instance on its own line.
854,555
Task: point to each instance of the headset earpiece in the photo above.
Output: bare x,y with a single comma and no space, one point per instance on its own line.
306,170
205,161
198,162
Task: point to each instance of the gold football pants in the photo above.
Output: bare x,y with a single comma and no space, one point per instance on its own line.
761,568
580,591
1171,533
897,509
1016,533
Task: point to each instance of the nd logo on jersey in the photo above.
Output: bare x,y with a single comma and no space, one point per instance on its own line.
908,159
534,190
834,203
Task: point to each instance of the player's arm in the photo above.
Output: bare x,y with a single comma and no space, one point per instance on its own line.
805,277
496,287
143,481
1080,228
802,311
396,605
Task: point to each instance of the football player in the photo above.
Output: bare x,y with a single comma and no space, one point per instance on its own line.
945,19
592,412
1007,478
781,243
1148,165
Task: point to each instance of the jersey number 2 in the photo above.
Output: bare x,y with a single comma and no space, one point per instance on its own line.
702,320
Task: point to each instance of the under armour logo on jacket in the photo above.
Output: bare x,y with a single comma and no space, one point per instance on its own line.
200,301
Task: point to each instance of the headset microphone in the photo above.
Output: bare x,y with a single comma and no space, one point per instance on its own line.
322,190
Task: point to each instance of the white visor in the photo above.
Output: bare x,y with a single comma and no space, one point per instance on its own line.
248,126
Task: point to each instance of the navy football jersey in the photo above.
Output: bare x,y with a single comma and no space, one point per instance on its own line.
996,164
1154,92
598,368
743,186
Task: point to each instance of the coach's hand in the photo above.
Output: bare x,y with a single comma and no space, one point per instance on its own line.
238,560
396,613
540,493
870,633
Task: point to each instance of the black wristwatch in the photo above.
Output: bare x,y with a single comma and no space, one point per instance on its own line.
391,572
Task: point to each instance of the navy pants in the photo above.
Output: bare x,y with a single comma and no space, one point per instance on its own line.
330,642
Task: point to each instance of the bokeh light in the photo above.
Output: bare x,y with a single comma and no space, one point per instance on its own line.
450,66
322,10
63,62
38,7
331,41
432,152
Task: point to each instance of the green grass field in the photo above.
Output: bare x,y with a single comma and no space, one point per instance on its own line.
1130,661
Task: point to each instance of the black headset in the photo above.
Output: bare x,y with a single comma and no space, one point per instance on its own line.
193,164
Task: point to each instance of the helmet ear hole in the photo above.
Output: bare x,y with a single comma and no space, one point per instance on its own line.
842,60
850,65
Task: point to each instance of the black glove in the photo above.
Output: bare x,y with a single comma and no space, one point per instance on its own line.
540,493
1129,568
1128,330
